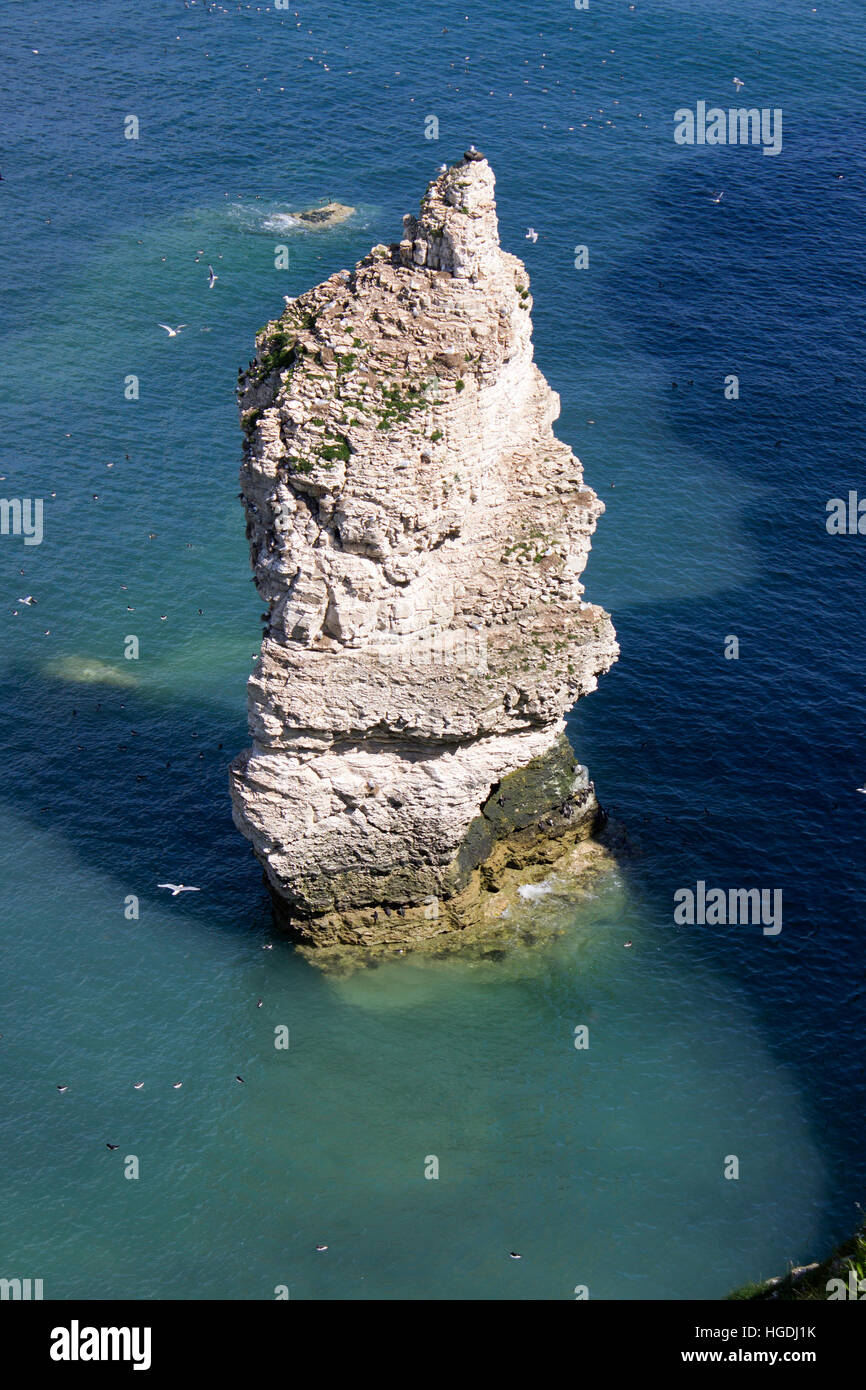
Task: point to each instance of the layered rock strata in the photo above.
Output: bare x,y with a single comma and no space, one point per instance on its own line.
418,535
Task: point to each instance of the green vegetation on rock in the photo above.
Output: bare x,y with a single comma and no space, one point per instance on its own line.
836,1278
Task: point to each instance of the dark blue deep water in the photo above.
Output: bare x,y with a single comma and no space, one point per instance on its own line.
605,1167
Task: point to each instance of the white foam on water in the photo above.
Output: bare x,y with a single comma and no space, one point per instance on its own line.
280,222
531,891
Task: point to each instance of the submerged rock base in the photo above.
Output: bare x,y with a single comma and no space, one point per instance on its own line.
495,923
541,817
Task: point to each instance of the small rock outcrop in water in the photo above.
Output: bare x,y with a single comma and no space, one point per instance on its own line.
326,215
418,535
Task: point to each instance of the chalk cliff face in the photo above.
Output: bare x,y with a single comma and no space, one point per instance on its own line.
418,535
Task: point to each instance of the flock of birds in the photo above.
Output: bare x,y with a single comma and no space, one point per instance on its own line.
715,197
212,278
175,889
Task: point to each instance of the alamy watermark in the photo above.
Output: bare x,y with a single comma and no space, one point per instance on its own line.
855,1287
719,907
20,1289
77,1343
846,517
739,125
22,516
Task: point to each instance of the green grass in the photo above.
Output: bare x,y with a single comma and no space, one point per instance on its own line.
399,406
810,1284
338,450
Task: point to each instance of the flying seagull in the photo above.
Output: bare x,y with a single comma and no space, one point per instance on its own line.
862,789
28,599
61,1089
112,1146
172,332
178,888
738,83
211,277
717,197
531,234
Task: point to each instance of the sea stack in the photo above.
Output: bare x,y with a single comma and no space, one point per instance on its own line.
418,536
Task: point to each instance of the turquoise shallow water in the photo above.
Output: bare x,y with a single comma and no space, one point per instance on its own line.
601,1167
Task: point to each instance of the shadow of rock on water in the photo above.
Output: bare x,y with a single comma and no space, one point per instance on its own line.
136,786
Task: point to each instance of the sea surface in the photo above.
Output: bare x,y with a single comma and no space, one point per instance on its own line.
605,1167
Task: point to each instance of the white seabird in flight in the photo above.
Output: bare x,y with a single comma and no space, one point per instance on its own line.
172,332
178,888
